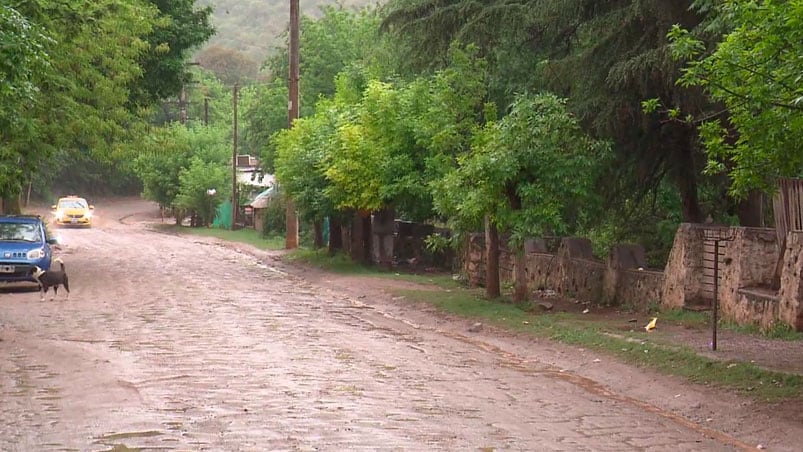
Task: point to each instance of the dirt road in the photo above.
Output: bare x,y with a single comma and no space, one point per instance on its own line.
180,343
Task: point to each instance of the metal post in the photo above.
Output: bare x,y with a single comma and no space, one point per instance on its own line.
716,235
716,297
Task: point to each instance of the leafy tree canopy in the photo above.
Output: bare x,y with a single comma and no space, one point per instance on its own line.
301,161
756,72
80,102
179,28
534,172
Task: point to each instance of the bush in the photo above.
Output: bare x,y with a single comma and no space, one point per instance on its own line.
274,219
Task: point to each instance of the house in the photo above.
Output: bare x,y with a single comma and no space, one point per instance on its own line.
250,176
255,209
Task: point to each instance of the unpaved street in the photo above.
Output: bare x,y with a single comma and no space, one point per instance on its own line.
179,343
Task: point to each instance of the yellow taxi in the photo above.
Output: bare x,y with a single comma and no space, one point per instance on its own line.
73,211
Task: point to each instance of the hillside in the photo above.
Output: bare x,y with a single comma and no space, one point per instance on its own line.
252,26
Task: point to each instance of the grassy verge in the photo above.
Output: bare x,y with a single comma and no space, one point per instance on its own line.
342,264
633,348
703,320
247,236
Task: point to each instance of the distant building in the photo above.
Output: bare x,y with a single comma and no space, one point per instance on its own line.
249,174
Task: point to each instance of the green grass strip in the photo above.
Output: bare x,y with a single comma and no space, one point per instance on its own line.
746,378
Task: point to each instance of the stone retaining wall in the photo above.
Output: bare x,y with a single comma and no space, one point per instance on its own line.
747,289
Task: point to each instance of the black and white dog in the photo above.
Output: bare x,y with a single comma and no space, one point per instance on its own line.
52,278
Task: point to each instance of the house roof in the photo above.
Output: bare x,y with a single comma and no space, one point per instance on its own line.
261,200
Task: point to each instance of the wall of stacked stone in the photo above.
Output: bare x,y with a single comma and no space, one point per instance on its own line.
542,271
747,293
581,279
683,275
790,306
572,271
639,289
754,306
747,270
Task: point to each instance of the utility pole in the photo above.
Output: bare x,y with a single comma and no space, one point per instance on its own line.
206,111
291,239
234,200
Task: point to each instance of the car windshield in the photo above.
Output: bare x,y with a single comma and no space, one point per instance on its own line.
72,204
24,232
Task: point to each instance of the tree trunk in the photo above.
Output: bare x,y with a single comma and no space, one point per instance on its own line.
361,237
335,235
356,237
366,235
751,210
689,201
520,277
317,234
11,205
383,227
491,260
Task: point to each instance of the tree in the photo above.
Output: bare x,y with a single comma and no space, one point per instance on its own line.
229,65
197,182
80,103
532,173
340,38
22,55
264,114
178,29
169,152
756,72
604,56
301,157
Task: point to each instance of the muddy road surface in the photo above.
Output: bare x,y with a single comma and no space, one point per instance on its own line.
182,343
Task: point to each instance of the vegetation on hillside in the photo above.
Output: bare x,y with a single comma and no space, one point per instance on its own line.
249,31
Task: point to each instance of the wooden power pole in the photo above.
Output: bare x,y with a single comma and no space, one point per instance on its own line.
234,200
291,238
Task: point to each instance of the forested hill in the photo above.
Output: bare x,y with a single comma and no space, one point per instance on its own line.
252,26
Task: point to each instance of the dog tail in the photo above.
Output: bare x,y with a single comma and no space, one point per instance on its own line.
61,262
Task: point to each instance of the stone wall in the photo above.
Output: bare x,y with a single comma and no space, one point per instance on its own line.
748,262
746,291
542,271
683,274
745,265
754,306
790,309
572,271
639,289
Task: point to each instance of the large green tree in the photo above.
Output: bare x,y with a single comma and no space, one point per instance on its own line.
531,174
756,71
179,28
22,56
81,103
177,164
342,40
341,37
604,56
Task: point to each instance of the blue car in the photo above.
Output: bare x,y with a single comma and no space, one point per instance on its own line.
24,243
